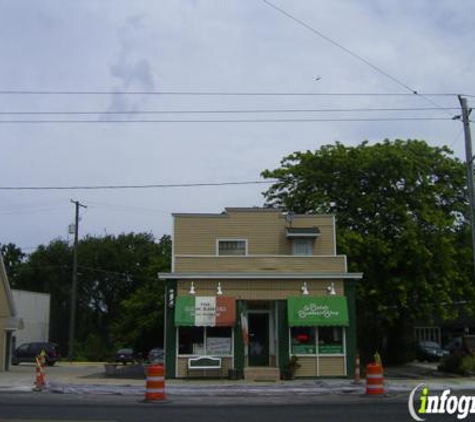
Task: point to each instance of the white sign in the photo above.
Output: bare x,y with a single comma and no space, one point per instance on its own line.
205,311
218,346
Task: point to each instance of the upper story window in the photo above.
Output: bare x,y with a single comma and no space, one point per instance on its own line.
232,247
302,246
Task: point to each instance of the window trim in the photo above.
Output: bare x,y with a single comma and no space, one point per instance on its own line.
246,252
205,341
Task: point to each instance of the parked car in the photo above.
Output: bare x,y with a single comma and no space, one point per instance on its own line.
125,356
156,355
430,351
28,352
465,344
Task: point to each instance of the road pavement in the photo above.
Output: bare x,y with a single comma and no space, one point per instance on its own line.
48,407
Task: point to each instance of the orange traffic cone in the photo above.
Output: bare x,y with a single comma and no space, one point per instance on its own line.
40,379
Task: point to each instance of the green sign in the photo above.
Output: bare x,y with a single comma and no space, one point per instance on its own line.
304,349
185,311
330,349
317,311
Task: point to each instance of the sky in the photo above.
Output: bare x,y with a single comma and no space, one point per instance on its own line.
196,46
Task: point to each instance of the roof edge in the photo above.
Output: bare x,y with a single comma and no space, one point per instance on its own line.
320,275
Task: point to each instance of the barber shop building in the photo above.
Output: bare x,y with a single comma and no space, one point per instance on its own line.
256,293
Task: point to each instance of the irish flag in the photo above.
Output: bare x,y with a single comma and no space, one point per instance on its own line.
205,311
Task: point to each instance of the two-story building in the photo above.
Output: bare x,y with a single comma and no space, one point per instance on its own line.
252,287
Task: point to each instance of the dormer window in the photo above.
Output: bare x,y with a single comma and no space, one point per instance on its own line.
302,246
302,239
231,247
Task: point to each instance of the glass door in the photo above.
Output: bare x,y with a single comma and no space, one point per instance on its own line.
258,339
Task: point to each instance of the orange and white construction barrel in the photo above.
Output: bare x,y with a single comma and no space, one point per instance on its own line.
39,376
374,379
155,387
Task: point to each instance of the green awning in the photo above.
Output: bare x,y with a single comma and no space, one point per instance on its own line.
317,311
185,311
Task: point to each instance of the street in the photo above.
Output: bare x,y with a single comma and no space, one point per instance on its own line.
50,407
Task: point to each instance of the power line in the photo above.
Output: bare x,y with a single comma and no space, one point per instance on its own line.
238,111
376,119
149,186
340,46
129,207
350,52
224,93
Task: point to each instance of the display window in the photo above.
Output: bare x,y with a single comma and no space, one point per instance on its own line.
317,341
303,340
330,340
205,341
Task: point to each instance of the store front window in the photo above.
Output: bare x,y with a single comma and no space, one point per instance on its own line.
330,340
212,341
304,341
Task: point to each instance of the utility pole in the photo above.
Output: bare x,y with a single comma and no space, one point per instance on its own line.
469,158
74,286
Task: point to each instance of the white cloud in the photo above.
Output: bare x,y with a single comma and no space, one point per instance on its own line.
205,45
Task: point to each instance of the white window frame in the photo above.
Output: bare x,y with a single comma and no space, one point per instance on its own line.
205,340
246,252
307,241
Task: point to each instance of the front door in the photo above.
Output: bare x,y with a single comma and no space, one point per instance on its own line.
258,339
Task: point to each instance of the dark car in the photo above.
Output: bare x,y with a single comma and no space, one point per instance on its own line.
125,356
463,344
430,351
28,352
156,355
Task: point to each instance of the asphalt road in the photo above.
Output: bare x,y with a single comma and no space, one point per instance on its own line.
53,407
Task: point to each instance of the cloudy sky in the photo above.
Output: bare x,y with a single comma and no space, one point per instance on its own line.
240,46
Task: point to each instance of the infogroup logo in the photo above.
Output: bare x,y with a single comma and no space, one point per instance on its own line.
444,403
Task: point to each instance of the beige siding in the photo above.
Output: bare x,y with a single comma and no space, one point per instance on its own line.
286,264
265,232
332,366
3,341
308,367
322,366
259,289
182,369
4,307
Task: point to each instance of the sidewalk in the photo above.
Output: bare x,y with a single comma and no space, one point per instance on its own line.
88,378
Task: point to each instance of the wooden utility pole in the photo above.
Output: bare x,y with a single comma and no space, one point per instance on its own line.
74,286
469,162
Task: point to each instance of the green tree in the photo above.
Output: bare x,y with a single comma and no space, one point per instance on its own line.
400,219
111,269
13,257
141,320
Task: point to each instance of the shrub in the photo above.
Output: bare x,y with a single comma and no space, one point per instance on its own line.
457,363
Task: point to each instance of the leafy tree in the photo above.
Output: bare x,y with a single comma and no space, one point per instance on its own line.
111,269
400,210
141,321
12,258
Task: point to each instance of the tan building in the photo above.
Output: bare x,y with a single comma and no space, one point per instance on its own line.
8,320
252,290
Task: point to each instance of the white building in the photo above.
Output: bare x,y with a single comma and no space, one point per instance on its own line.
34,309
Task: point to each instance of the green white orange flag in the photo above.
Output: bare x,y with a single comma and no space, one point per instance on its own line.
205,311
